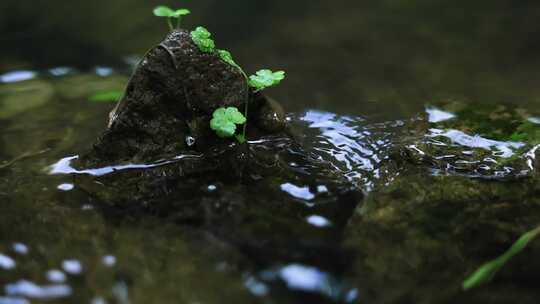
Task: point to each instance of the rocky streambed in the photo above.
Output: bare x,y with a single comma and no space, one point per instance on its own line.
315,205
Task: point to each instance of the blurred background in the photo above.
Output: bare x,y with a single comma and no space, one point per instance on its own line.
380,57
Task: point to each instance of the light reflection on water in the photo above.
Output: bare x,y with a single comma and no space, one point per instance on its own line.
31,290
353,145
17,76
310,279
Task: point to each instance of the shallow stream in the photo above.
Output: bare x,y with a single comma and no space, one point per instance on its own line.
419,119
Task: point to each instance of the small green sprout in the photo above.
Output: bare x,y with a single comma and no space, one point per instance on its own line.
487,271
227,57
167,12
201,37
265,79
224,121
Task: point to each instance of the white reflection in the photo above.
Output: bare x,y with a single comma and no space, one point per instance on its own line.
17,76
534,120
104,71
109,260
32,290
60,71
256,287
6,262
458,137
12,300
56,276
72,266
305,278
318,221
298,192
435,115
20,248
63,166
65,187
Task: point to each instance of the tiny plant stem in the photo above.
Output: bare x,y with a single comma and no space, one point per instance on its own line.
170,23
246,98
178,22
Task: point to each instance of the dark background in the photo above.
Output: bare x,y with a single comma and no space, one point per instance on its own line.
386,57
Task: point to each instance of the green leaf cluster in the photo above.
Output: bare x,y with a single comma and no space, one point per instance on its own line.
265,79
201,37
487,271
224,121
169,13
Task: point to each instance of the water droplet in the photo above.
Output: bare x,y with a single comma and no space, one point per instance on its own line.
190,141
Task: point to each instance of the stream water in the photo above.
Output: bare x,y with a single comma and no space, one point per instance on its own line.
420,118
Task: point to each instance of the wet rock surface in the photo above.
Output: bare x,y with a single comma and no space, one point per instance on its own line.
463,194
170,96
421,225
473,141
159,157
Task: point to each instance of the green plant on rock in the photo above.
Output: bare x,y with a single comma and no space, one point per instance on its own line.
261,80
169,13
224,121
265,79
201,37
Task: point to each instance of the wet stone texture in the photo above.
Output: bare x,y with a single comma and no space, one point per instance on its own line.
479,142
464,193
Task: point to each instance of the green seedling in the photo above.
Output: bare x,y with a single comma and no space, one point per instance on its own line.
487,271
167,12
224,121
201,37
265,79
107,96
227,57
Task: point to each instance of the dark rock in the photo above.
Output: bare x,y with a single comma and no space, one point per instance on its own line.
434,231
171,95
158,156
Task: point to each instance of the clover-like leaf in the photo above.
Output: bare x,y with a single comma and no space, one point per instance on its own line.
163,11
169,13
181,12
224,121
235,116
265,79
201,37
